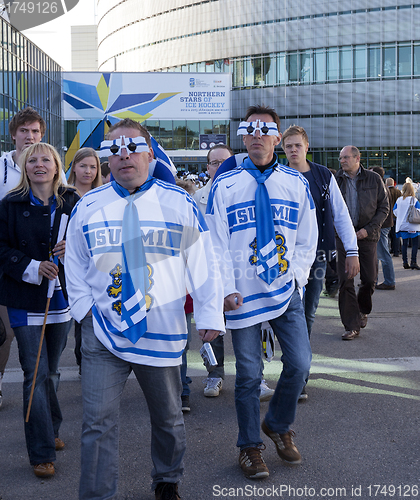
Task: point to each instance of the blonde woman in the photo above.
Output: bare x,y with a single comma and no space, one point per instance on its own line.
404,229
29,221
85,172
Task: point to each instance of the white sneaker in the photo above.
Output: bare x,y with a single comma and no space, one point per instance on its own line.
265,392
213,387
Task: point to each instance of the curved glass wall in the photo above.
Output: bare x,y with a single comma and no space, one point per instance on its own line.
329,65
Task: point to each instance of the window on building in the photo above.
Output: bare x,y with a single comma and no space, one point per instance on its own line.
346,63
206,127
179,134
332,64
404,60
292,68
193,134
305,67
281,69
416,166
389,60
269,69
165,134
405,166
319,66
359,62
238,74
248,73
416,59
374,62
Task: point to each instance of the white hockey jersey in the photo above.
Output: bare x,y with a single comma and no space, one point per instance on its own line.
179,257
9,173
231,219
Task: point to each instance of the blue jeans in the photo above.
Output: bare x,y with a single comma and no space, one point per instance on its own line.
313,289
103,378
384,256
292,334
45,416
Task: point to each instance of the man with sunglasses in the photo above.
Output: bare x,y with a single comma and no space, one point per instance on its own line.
134,247
263,226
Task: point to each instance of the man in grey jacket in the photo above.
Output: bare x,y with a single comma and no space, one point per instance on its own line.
367,201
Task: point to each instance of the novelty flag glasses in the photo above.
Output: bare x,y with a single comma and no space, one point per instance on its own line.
265,128
132,145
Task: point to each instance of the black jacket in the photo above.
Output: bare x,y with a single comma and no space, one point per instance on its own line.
25,235
373,201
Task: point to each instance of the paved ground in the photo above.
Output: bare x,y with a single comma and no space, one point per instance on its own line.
358,432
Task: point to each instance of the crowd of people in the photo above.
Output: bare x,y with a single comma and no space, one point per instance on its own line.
130,254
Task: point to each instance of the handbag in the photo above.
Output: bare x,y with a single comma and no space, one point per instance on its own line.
413,214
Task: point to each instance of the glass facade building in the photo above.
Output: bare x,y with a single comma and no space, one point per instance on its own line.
347,71
28,77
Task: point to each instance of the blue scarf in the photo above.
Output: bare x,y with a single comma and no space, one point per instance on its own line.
134,278
267,258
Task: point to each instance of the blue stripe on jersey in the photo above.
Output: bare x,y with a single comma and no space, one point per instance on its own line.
241,216
118,223
273,293
264,295
257,312
106,327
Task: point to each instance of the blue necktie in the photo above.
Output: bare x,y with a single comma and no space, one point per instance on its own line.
267,257
135,276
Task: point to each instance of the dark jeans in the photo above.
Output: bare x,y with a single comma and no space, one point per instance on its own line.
414,248
313,289
45,417
78,342
350,303
395,242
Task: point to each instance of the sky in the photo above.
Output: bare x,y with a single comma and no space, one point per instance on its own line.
54,38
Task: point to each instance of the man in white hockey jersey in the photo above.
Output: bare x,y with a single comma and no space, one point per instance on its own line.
263,225
134,246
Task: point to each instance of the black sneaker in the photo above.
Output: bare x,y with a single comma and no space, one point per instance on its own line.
167,491
185,401
252,463
303,396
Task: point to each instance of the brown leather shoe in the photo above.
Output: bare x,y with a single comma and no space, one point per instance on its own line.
252,463
350,335
59,444
363,320
285,446
44,470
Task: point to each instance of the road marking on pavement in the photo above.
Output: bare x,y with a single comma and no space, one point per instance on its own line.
320,365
